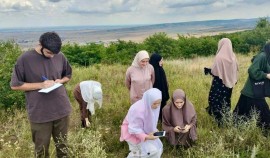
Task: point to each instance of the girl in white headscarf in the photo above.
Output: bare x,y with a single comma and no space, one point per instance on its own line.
225,75
87,93
139,125
140,76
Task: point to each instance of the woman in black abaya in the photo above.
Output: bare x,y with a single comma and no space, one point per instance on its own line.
160,83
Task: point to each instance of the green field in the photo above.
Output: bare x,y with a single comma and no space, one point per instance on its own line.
102,139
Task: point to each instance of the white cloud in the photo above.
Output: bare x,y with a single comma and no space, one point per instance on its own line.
103,7
114,12
15,5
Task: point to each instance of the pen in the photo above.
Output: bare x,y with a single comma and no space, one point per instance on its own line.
44,78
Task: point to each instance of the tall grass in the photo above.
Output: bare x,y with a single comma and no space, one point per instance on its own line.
102,138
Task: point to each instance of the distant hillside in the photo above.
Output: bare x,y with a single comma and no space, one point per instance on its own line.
28,37
194,26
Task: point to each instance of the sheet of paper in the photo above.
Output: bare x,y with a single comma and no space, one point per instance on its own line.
47,90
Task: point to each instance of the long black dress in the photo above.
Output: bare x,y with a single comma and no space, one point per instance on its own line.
160,80
246,107
248,103
219,100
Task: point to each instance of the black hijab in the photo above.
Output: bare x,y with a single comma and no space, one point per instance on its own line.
267,51
160,76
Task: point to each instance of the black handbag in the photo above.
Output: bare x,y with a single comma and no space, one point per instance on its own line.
261,88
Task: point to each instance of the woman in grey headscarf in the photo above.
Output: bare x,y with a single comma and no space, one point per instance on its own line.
179,120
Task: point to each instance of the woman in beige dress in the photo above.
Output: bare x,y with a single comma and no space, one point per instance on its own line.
140,76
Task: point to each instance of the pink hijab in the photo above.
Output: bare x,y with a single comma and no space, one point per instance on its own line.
225,63
172,116
141,117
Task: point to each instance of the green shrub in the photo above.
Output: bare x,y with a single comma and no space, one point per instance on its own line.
121,52
263,23
162,44
193,46
9,54
83,55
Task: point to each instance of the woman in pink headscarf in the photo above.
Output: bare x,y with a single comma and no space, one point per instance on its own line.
140,76
179,120
225,75
139,125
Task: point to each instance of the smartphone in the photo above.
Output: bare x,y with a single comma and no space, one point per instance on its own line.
160,133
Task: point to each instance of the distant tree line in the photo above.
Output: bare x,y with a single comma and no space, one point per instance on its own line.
183,47
124,51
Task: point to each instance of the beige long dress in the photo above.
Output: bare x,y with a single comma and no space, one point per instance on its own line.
139,79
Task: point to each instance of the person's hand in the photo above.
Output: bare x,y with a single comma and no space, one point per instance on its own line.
187,127
151,136
87,123
268,76
58,81
177,129
207,71
184,131
47,83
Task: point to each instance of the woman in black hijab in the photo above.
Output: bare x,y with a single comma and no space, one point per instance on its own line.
160,79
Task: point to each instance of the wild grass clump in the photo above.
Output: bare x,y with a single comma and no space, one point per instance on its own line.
86,143
15,138
244,139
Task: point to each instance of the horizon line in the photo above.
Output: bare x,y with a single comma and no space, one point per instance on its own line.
118,25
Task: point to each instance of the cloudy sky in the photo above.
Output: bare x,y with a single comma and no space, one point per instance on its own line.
38,13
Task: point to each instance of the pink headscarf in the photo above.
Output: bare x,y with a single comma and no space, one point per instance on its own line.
140,56
225,63
141,117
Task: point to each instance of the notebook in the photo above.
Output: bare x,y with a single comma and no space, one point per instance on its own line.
47,90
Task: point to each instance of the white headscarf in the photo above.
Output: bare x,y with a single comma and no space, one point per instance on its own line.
143,119
140,56
91,92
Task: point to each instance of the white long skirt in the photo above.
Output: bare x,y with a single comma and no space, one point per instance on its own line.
147,149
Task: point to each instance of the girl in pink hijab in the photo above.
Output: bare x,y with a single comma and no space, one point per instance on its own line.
225,75
140,76
179,120
139,125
